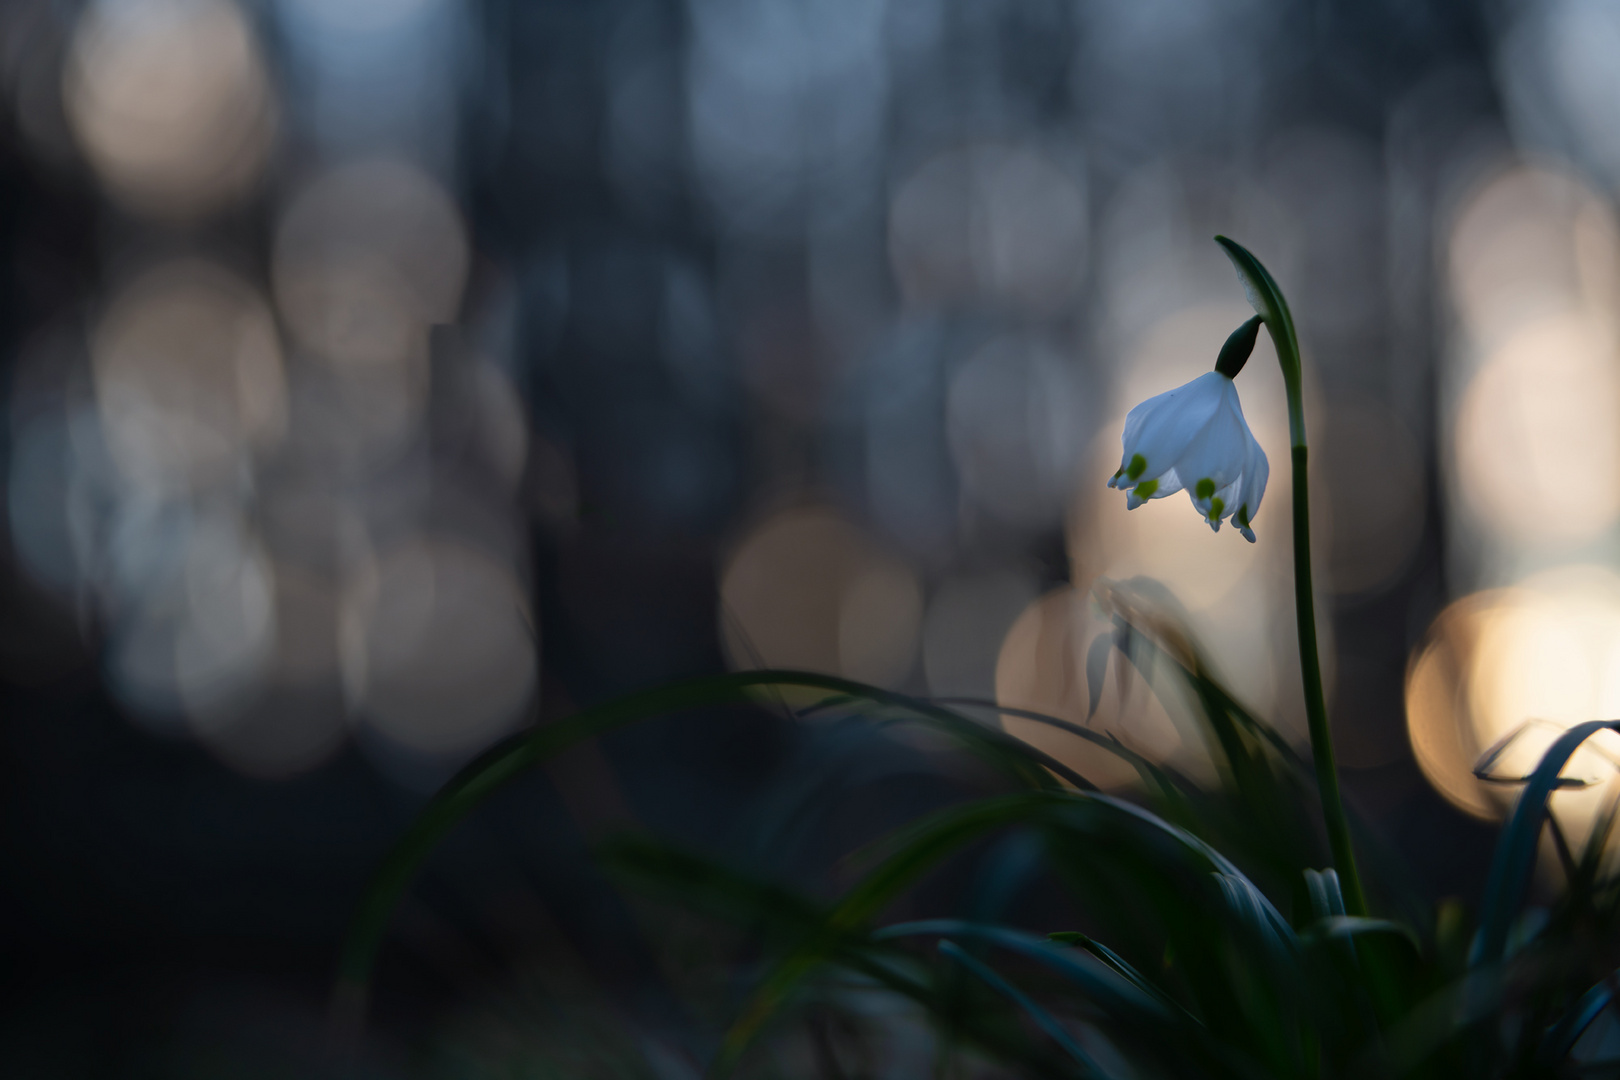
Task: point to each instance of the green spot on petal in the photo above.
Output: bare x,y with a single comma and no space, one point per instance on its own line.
1146,489
1215,508
1205,488
1137,467
1242,516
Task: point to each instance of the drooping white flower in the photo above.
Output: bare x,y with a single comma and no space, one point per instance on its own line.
1195,437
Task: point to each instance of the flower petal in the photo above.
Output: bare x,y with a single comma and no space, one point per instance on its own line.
1216,455
1154,488
1158,431
1169,483
1255,475
1217,458
1243,497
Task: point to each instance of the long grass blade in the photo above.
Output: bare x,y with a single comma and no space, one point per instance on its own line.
1045,1020
513,757
1322,886
924,844
1142,648
906,856
1462,1008
1345,927
1110,991
1564,1035
1097,654
1108,956
1168,782
1158,1024
1251,908
1516,850
712,888
701,881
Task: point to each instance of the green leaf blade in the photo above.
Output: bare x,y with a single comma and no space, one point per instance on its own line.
1515,855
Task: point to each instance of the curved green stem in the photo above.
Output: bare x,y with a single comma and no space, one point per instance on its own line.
1267,300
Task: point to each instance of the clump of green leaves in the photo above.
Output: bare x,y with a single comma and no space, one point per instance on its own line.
1211,945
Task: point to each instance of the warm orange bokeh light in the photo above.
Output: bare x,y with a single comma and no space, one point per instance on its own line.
1526,663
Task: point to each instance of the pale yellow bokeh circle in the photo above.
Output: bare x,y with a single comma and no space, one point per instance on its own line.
171,102
1538,433
1529,243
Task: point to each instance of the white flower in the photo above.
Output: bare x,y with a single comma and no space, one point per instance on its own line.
1195,437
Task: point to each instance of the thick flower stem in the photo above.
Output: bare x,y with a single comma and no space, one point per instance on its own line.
1268,302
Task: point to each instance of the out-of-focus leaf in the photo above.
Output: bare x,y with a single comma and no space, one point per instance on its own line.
704,883
923,845
1585,878
1322,886
1102,647
1485,768
714,889
1151,1021
1557,1044
905,857
1346,927
1168,783
1516,849
1009,866
1137,637
511,758
1110,957
1451,1012
1112,992
1252,910
1191,843
1045,1020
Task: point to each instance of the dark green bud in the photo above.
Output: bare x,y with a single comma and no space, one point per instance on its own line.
1235,353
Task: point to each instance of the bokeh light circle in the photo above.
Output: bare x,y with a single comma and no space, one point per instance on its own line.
808,589
1529,244
1525,662
1015,418
438,646
188,376
171,101
367,257
1003,223
1538,434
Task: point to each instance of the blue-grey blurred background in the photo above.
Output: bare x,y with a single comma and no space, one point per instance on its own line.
382,376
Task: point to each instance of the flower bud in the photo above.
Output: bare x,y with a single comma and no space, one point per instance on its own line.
1235,353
